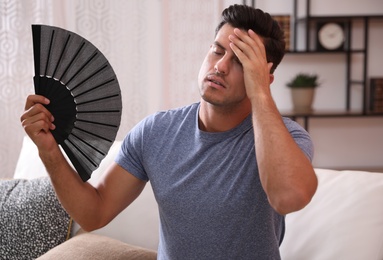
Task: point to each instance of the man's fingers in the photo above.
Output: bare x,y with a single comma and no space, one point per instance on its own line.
37,123
248,43
36,116
241,40
36,109
257,39
35,99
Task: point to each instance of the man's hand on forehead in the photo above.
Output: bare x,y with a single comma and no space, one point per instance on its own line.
247,45
249,49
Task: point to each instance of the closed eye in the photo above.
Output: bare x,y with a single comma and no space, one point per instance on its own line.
217,51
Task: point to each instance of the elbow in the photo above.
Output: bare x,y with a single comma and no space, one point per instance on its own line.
91,224
87,229
90,227
294,200
289,204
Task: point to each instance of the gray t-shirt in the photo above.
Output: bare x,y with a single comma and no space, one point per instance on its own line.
210,198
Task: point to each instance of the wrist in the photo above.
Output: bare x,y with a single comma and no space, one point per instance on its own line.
52,157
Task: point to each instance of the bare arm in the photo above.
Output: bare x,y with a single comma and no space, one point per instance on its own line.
287,175
92,207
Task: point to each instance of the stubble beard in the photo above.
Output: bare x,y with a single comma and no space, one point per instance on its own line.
223,103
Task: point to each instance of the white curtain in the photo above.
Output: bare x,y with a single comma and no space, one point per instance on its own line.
155,47
16,68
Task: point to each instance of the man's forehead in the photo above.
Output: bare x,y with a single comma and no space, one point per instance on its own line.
222,36
228,29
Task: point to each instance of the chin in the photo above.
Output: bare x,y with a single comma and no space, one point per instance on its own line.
214,101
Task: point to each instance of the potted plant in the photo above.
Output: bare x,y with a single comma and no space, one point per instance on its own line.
302,91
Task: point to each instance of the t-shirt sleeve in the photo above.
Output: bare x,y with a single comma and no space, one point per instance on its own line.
301,137
130,157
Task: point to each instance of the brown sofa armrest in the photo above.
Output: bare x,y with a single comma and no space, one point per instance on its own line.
87,246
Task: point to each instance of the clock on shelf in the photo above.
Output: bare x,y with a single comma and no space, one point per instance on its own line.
331,36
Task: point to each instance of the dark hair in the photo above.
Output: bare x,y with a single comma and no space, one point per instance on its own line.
246,17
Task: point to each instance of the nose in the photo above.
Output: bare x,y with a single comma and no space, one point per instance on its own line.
221,67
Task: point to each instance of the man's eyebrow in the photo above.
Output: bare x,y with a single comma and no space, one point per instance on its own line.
219,45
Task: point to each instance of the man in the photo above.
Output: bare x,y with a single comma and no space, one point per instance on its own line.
224,171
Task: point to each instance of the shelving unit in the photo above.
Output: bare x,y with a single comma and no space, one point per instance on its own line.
309,23
305,117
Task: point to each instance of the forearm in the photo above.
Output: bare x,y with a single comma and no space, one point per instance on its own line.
80,199
286,173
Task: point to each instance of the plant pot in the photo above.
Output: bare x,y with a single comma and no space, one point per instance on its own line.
302,99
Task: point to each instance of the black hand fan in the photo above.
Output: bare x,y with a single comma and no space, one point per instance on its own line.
84,93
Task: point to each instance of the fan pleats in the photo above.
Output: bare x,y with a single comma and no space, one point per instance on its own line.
84,93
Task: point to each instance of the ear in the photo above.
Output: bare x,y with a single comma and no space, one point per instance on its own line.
270,65
271,78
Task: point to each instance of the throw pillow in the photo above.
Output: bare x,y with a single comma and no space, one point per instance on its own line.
32,219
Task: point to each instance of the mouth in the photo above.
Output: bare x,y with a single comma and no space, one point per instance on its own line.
216,81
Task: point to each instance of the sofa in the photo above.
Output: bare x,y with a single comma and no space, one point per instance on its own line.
343,221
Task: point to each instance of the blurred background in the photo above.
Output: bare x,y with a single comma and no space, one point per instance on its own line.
156,48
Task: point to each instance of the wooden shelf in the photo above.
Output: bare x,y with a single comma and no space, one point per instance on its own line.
326,114
324,52
338,18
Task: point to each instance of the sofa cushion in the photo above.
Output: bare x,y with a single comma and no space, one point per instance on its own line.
344,220
32,219
97,247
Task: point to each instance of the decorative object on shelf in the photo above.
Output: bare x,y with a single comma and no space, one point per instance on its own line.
331,36
284,23
376,95
302,91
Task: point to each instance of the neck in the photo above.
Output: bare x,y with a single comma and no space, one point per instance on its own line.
214,118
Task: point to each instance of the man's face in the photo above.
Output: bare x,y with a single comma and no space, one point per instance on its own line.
220,77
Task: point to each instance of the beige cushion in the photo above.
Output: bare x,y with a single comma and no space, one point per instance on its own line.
92,246
344,220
